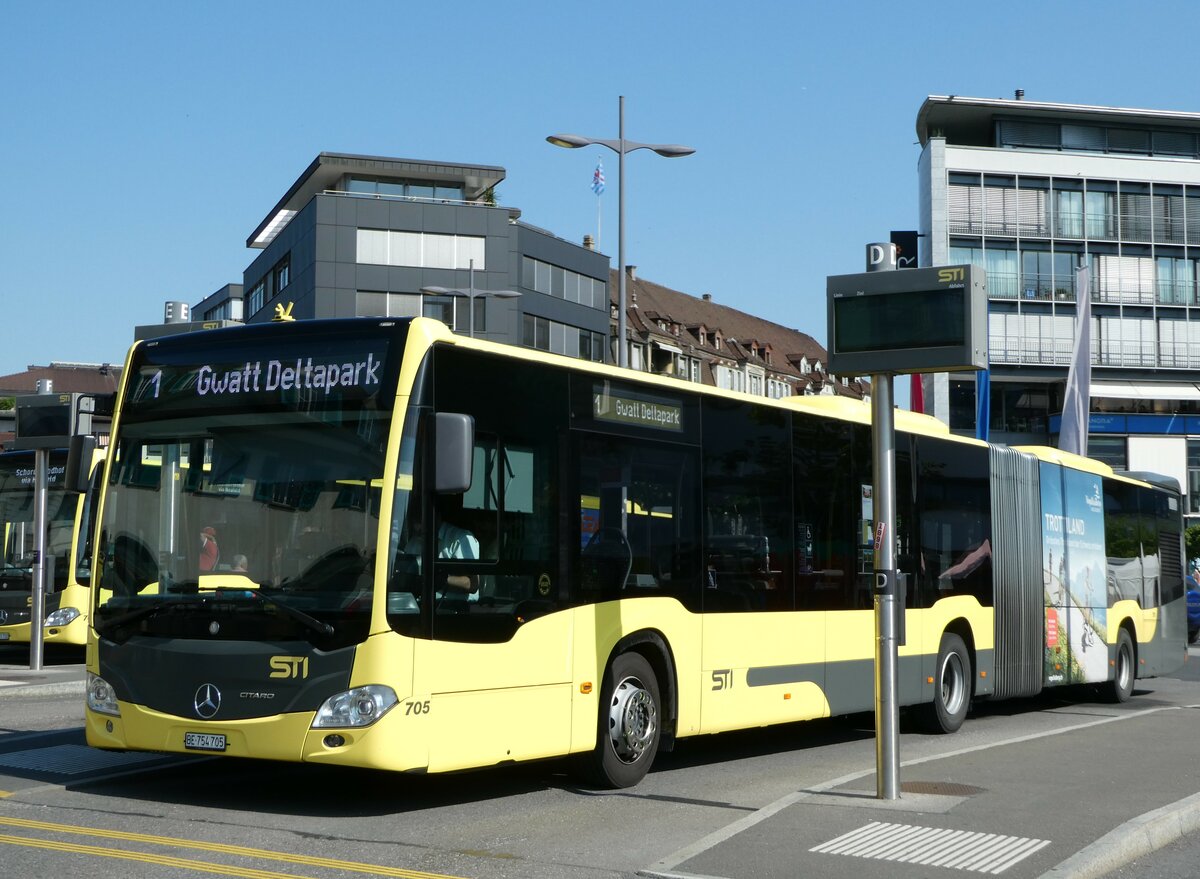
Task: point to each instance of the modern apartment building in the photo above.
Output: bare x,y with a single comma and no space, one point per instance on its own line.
366,235
369,236
1030,190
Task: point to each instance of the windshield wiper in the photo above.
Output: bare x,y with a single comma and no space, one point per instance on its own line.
146,610
318,626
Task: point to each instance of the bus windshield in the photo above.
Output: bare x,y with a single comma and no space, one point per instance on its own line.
243,497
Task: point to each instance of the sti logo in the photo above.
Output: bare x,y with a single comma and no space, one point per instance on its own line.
949,276
289,667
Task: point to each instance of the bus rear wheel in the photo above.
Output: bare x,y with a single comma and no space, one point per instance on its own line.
951,687
629,724
1120,688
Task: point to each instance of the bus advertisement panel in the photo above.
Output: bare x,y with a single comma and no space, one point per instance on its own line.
1075,576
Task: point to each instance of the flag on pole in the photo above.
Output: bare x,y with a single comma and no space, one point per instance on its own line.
916,395
983,403
1073,432
598,179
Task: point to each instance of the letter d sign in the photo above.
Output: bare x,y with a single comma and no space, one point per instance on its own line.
881,257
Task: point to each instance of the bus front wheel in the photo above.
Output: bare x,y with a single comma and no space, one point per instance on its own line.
629,724
951,687
1120,688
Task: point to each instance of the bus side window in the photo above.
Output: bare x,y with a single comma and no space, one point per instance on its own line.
1148,541
638,533
747,508
1121,545
954,509
828,505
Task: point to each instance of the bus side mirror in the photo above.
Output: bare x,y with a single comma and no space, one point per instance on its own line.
78,475
454,444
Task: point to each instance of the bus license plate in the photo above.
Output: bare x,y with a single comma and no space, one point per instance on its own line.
3,636
203,741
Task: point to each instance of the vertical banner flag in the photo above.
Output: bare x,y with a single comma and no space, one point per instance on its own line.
1073,432
983,403
598,188
916,394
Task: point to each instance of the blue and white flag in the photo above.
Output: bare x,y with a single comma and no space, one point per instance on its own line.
1073,432
598,179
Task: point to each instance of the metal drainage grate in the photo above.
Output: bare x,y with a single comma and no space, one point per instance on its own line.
73,760
934,847
940,788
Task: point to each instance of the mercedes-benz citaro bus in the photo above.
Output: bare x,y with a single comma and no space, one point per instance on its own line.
434,553
68,550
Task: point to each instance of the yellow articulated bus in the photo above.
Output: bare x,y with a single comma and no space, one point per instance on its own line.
435,553
68,550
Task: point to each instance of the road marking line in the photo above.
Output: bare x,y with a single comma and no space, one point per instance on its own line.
216,848
146,858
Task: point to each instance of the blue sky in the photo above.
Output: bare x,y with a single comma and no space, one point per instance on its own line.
143,142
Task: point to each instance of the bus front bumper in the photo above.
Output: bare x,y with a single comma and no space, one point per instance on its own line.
387,744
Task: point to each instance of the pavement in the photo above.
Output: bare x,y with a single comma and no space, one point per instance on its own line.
56,677
1075,800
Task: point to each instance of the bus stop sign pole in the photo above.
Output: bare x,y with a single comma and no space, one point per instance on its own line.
41,471
886,323
882,257
887,707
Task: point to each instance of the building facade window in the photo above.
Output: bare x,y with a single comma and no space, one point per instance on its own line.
729,377
392,188
439,308
559,338
1109,449
256,299
378,303
561,283
1193,475
420,249
282,275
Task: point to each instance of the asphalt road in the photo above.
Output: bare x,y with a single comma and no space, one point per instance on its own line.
66,810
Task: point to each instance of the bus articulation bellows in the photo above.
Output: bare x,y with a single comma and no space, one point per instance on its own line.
438,553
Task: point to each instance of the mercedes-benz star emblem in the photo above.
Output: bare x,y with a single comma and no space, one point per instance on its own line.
207,701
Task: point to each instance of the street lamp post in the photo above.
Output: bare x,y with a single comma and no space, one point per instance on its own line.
620,146
471,294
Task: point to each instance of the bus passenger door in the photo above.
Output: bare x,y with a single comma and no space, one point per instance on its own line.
764,648
497,670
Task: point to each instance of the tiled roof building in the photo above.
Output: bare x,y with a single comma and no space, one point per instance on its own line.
698,339
84,378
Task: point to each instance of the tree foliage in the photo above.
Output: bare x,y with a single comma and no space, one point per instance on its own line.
1191,541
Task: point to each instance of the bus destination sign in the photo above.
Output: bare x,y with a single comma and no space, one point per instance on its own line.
324,376
637,411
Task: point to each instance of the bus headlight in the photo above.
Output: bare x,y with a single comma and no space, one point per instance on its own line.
62,617
361,706
101,697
